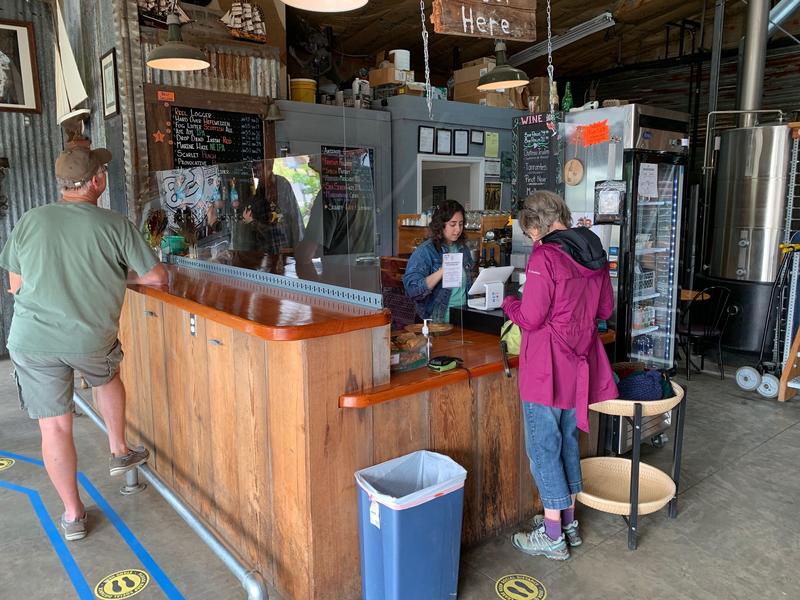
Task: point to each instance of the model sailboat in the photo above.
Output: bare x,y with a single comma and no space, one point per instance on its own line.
154,12
245,22
70,91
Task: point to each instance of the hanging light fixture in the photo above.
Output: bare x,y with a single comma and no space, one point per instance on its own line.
503,76
175,54
326,6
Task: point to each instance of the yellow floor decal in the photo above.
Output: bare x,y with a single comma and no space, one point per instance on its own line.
6,463
520,587
122,584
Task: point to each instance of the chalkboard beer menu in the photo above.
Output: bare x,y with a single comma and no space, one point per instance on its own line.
347,177
201,136
537,155
348,196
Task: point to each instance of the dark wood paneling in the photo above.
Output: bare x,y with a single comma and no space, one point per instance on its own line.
222,373
340,443
187,378
498,451
252,449
401,427
453,426
286,410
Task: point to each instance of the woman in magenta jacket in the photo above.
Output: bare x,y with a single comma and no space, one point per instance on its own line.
562,365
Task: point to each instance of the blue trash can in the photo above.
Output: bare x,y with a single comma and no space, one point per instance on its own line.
410,511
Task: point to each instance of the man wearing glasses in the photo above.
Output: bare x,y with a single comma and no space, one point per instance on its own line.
68,264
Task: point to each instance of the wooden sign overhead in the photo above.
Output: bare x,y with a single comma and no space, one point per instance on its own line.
498,19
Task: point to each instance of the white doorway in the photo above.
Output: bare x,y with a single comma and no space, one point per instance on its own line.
449,178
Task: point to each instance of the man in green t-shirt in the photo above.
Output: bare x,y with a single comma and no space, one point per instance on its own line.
68,264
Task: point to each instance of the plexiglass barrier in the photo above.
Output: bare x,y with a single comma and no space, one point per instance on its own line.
309,217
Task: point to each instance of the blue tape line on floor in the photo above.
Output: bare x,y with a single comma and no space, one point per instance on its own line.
59,546
150,565
124,531
21,458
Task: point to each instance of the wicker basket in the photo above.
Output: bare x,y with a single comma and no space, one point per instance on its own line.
625,408
607,486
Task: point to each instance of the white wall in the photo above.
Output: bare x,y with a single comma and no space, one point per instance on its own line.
456,179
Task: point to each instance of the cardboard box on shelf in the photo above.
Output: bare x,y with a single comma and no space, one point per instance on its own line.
412,88
493,99
470,73
484,60
540,87
389,75
512,98
465,88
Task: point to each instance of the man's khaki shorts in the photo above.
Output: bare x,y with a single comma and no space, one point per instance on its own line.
46,383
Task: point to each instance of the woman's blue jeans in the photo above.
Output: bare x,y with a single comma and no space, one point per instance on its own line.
551,439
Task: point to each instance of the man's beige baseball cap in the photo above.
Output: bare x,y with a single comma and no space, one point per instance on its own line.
79,164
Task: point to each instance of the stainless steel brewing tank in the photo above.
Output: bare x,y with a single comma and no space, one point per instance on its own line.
750,203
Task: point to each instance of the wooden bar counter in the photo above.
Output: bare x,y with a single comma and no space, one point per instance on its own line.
259,404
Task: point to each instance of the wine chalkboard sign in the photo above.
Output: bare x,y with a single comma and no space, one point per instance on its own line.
202,137
537,155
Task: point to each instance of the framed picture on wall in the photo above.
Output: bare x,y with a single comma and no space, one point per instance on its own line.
19,73
444,141
493,192
425,139
476,136
461,142
108,77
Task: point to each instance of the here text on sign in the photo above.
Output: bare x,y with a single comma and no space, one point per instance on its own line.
499,19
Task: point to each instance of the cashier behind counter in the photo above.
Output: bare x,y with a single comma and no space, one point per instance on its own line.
425,270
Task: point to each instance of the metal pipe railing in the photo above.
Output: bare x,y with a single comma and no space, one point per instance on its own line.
251,580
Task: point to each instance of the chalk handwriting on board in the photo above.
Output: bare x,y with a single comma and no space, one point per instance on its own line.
206,137
536,156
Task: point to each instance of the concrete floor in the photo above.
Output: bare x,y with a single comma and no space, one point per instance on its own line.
736,536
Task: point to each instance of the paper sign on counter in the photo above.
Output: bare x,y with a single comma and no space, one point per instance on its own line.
453,267
648,180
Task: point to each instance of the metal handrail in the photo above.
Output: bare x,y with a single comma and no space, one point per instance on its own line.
251,580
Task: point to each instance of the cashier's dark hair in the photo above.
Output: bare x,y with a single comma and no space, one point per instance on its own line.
443,213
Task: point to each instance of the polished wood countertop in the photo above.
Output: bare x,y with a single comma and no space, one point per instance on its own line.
271,313
479,351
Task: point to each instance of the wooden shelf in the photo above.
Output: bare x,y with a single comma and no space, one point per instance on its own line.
407,236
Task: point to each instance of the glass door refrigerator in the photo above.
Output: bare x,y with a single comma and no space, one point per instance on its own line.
625,170
648,282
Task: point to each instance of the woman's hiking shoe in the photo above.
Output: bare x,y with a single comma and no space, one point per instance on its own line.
119,464
570,531
538,543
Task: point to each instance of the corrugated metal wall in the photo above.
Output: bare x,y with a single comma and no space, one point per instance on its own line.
29,141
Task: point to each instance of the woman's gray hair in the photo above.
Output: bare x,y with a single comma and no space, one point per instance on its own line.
67,185
542,209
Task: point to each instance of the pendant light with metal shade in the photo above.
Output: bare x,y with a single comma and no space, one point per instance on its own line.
503,76
326,6
175,54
